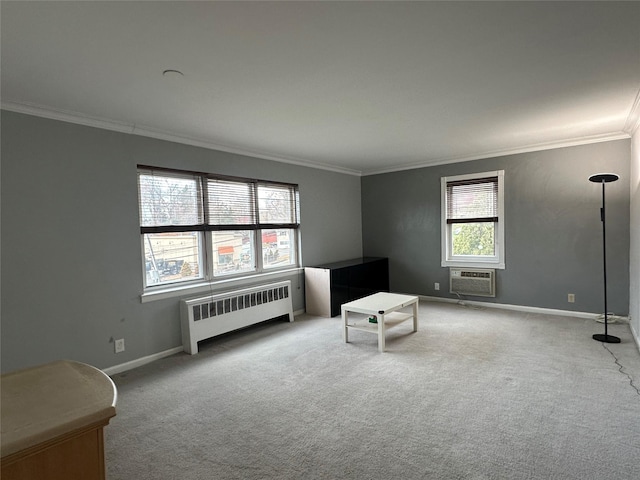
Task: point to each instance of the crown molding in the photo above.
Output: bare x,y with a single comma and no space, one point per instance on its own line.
171,137
67,116
631,125
573,142
144,131
633,119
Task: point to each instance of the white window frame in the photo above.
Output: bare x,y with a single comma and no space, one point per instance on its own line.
206,251
450,260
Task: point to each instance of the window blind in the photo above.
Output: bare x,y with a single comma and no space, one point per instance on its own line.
169,200
177,201
470,201
277,204
231,203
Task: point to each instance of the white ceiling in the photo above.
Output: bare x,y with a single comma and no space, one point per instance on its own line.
359,87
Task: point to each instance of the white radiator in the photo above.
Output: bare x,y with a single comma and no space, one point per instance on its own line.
206,317
472,281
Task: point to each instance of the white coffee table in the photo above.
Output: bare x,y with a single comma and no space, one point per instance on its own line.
385,306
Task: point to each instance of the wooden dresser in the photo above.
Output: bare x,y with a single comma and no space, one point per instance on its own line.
52,422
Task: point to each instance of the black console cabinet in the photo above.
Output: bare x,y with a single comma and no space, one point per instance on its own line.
328,286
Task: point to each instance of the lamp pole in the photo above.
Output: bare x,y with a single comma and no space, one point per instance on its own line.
604,178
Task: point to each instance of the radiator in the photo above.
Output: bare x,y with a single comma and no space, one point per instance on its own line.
211,315
472,281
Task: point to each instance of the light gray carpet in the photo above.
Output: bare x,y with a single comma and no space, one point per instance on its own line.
474,394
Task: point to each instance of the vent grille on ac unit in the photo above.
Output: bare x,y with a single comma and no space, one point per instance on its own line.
472,281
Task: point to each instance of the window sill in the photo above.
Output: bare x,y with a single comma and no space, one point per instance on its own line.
173,291
473,264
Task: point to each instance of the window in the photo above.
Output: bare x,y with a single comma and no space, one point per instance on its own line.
473,220
199,227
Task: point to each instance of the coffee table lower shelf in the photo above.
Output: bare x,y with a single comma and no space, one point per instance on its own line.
390,320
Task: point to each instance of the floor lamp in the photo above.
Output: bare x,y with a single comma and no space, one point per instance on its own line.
604,178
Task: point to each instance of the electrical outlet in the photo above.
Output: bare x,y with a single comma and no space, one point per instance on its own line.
436,286
119,345
571,298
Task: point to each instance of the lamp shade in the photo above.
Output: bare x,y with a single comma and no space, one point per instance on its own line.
603,177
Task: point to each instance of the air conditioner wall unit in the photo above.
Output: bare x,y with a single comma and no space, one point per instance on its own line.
480,282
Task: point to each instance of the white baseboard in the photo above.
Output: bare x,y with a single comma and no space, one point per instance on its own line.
636,336
123,367
520,308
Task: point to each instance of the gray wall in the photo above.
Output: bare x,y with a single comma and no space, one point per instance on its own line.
71,259
72,267
553,233
634,270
